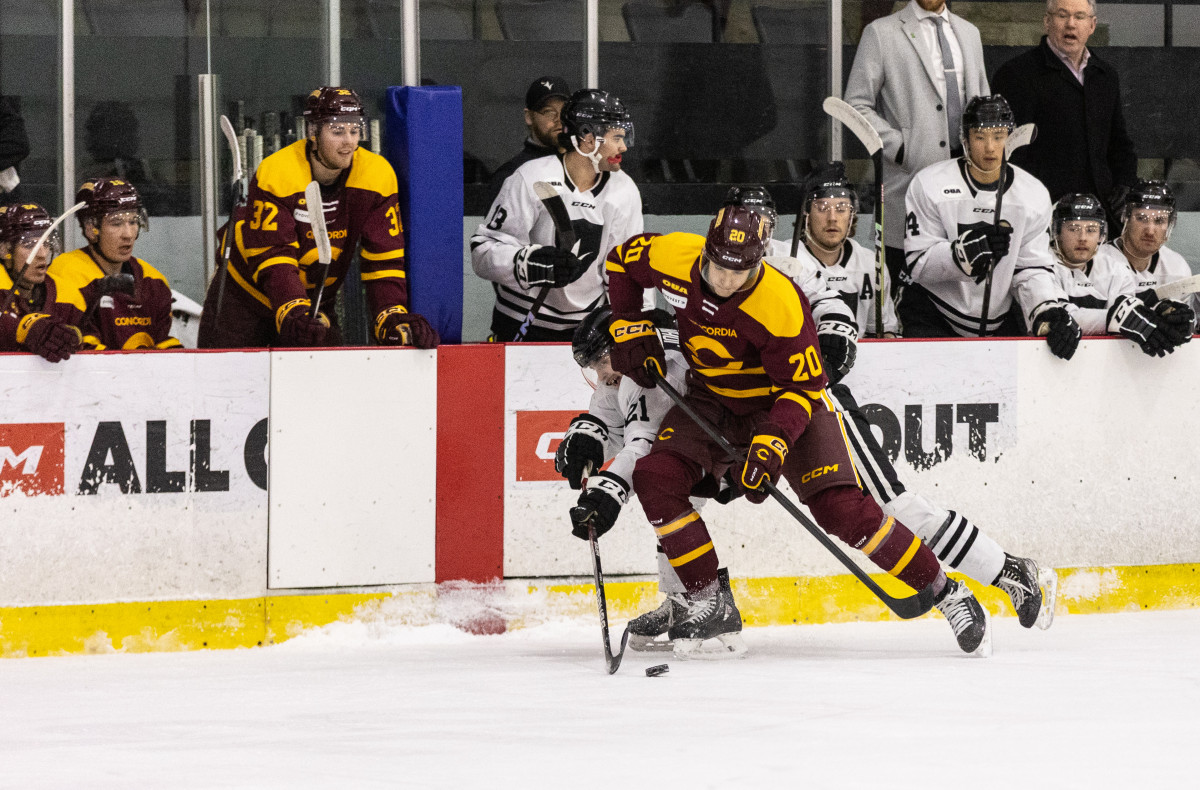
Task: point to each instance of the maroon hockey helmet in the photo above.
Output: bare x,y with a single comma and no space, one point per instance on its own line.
104,196
334,105
737,238
23,224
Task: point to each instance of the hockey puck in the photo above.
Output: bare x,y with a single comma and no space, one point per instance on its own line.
656,670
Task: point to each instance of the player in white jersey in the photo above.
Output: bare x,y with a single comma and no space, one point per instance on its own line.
1148,217
516,247
1100,289
953,245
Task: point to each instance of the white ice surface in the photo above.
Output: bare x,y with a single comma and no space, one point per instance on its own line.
1098,701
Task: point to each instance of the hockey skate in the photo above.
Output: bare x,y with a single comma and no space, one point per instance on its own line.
712,617
967,618
1021,579
648,632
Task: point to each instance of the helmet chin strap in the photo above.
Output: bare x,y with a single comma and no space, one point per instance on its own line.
810,239
594,156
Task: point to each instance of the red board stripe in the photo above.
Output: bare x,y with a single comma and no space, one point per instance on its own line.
470,463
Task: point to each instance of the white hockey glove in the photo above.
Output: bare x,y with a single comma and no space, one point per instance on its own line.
839,347
1139,323
535,265
599,504
582,446
979,249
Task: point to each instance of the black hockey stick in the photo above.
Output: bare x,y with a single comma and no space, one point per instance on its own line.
316,219
1022,135
856,122
236,196
564,237
613,662
905,608
37,247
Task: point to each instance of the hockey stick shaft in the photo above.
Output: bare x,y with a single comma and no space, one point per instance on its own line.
1188,285
987,286
612,662
564,234
906,608
235,200
316,217
41,242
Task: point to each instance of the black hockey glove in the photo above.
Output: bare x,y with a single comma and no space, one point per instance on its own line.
122,283
1148,297
583,445
1177,321
1137,322
839,347
599,504
977,250
1061,331
535,265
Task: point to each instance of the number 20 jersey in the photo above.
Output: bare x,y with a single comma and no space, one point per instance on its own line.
602,217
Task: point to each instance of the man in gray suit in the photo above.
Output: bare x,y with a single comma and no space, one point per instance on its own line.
898,81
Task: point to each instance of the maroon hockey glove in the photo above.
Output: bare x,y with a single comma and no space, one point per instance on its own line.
52,340
1060,330
767,454
398,327
638,349
299,329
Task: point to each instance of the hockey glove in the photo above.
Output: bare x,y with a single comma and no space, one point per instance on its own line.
122,283
599,504
978,249
839,348
638,349
52,340
1177,321
535,265
1148,297
297,328
396,326
767,454
581,448
1061,331
1137,322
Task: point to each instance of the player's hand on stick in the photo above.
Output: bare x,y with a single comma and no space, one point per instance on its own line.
52,340
1177,321
839,348
979,249
535,266
763,462
638,349
599,504
398,327
581,449
1061,331
297,328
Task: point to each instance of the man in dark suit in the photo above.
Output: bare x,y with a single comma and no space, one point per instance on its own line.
1074,97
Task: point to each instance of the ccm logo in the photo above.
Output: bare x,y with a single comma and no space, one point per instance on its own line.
31,459
814,474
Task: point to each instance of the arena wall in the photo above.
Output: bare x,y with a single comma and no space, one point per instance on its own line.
138,510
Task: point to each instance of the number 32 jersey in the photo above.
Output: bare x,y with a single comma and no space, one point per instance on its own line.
602,217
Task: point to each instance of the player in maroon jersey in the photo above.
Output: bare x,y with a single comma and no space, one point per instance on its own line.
35,314
756,373
128,300
267,295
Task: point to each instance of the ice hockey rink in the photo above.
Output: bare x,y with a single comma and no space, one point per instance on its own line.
1097,701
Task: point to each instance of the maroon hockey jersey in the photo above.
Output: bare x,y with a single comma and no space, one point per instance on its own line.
119,320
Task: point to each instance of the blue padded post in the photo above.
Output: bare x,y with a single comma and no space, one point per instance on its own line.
423,140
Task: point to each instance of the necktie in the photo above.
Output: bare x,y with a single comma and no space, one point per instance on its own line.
953,102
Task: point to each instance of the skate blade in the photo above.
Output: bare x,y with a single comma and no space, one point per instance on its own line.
649,644
731,646
985,647
1048,579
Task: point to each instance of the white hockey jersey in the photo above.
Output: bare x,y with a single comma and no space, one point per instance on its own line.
943,203
602,217
853,278
1094,291
1166,266
825,302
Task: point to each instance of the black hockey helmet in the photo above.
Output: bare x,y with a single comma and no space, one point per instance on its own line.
334,105
592,339
591,111
986,112
1153,195
24,223
737,238
1074,207
829,181
104,196
756,198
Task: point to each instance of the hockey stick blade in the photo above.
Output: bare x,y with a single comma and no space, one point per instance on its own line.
855,121
231,138
1023,135
1188,285
905,608
316,218
37,247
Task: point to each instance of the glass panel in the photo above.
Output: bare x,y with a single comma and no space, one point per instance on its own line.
29,92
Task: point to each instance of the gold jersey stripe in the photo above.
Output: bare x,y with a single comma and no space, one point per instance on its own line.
382,256
278,260
794,397
614,267
908,555
247,287
379,275
757,392
730,371
849,449
691,555
880,535
677,524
